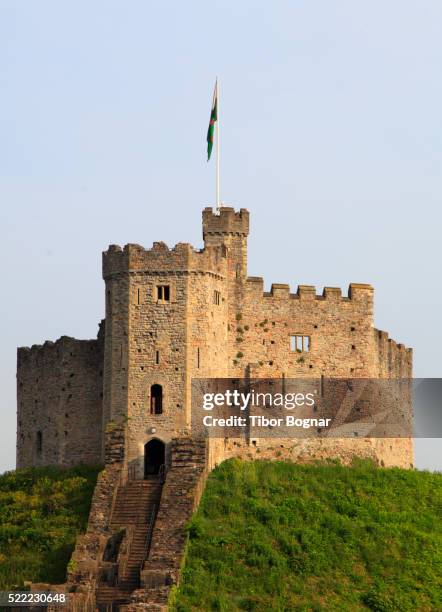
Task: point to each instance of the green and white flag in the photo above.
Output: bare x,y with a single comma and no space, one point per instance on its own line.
213,119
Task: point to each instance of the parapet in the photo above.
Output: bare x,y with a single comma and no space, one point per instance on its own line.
228,221
181,258
356,291
394,358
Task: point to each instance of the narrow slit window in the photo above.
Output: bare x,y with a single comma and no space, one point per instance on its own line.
39,442
198,358
163,293
157,357
138,297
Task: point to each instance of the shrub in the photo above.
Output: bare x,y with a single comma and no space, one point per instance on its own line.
42,510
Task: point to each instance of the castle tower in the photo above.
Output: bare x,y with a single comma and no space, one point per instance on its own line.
175,315
165,324
229,229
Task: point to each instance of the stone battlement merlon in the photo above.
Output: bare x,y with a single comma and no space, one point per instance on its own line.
182,257
387,344
228,221
356,291
174,314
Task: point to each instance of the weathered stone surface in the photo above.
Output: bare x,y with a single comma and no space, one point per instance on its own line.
59,402
173,316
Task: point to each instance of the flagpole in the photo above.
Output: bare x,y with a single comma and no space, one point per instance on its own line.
218,201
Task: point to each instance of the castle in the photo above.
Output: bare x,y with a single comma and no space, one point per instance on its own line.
173,315
124,400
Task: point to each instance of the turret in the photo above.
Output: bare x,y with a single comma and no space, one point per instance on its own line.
229,229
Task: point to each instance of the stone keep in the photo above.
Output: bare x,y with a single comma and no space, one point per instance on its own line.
173,315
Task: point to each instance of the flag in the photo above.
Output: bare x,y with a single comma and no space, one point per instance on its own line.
213,118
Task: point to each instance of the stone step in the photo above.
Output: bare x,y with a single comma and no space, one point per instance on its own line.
107,594
135,501
133,508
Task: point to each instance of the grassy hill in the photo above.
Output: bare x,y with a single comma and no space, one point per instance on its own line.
41,512
277,536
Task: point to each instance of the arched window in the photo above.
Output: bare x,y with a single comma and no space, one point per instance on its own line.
156,399
39,442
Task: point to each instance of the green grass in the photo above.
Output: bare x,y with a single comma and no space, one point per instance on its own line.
42,510
284,537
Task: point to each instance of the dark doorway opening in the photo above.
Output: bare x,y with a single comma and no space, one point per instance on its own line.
154,457
156,399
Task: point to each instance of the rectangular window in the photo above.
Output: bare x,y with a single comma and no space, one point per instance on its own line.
300,344
216,298
157,357
163,293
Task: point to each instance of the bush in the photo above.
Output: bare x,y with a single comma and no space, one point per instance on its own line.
42,510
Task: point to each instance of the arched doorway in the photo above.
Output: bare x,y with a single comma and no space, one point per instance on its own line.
154,457
156,399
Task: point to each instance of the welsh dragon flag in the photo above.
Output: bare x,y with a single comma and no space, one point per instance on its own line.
213,119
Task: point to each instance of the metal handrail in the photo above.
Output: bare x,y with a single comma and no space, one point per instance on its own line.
153,515
162,473
148,539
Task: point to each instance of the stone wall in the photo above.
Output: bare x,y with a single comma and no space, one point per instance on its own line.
340,332
385,452
59,403
217,322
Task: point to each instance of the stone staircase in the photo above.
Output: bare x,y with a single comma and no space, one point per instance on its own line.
133,551
181,494
135,511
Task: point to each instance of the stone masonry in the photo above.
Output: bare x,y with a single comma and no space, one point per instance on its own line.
124,399
173,315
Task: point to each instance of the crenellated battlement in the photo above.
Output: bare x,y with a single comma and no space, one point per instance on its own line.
160,258
356,291
394,358
178,313
228,221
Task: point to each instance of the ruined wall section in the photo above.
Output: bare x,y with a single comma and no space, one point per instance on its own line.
59,402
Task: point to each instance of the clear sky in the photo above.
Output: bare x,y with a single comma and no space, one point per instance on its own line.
331,137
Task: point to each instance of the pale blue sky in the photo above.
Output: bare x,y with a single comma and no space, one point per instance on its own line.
331,137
